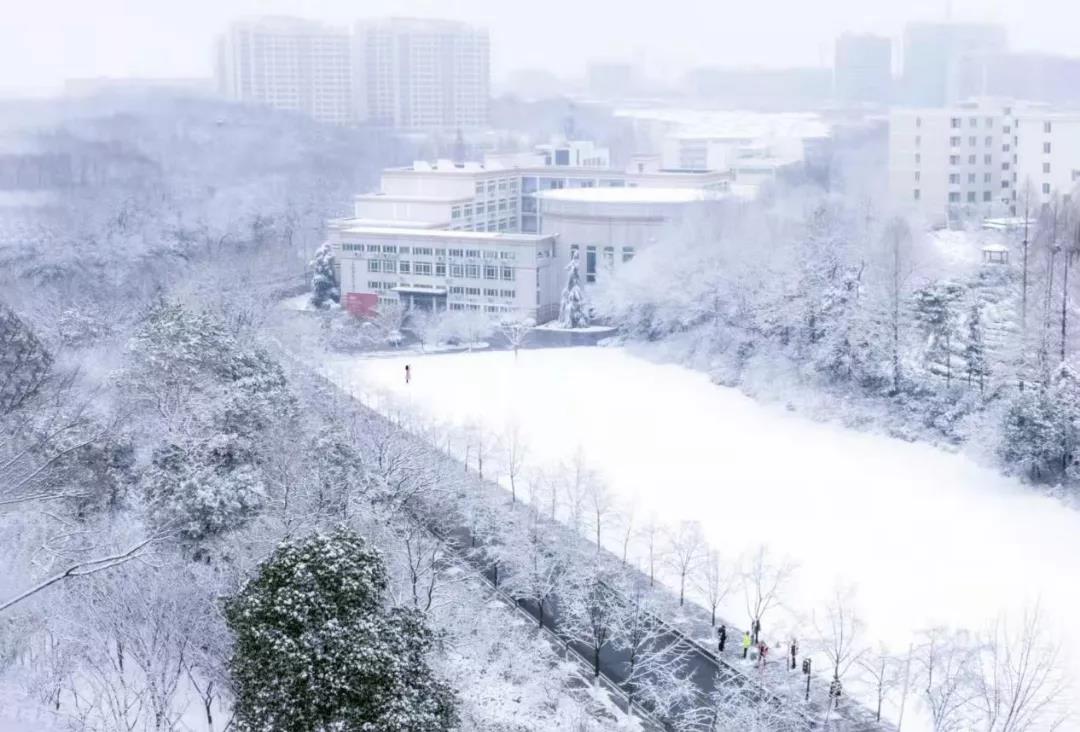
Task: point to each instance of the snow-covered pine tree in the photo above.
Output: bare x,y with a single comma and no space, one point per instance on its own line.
317,648
572,312
975,349
324,284
935,310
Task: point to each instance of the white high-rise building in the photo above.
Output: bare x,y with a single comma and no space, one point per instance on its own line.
953,163
287,63
418,74
979,159
1048,153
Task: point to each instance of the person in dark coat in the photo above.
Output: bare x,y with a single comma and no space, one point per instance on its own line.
408,373
756,628
794,652
723,637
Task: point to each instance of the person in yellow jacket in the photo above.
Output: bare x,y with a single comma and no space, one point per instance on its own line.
746,640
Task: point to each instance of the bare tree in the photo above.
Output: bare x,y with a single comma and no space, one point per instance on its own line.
514,449
686,545
1021,684
516,331
840,632
601,503
885,673
715,580
592,612
764,581
651,536
947,662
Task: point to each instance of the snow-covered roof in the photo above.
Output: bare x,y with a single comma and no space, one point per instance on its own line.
635,194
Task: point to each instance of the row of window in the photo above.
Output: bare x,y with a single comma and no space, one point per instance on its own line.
477,308
439,269
428,251
487,292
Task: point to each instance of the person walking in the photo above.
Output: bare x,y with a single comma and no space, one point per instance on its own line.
794,652
745,644
763,650
408,373
723,637
756,628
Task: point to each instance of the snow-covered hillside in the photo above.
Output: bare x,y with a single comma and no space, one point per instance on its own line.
929,537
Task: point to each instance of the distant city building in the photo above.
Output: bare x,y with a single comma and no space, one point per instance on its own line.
981,159
932,51
862,72
1036,77
421,75
287,63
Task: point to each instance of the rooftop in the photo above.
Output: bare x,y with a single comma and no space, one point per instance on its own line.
637,194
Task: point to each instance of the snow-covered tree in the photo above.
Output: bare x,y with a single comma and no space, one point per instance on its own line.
572,310
516,330
316,647
25,363
975,349
936,312
324,285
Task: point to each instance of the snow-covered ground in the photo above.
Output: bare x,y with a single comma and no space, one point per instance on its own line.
929,537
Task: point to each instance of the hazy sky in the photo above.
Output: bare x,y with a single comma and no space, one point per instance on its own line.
43,42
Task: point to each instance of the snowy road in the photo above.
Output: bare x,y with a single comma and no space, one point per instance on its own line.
928,537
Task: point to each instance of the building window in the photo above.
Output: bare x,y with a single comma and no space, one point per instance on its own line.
916,194
389,265
918,121
988,178
403,250
918,158
609,257
455,212
479,186
972,141
491,254
457,290
954,197
507,255
972,122
1046,167
422,251
403,267
987,195
490,272
988,159
918,176
590,264
474,291
456,253
440,269
472,253
472,271
955,123
456,270
491,293
1046,148
1047,127
971,159
954,160
389,249
1005,148
373,265
989,142
373,247
1004,166
954,179
971,196
954,141
422,268
971,177
508,274
1046,188
627,254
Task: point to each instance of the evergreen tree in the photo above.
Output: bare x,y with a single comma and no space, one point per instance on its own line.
935,310
25,363
324,284
318,650
572,306
975,350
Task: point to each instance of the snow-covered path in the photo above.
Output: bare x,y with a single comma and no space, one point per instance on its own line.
928,537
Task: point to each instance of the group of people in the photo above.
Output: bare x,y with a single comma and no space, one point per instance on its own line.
751,639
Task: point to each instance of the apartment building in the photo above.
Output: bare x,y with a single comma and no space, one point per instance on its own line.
980,158
287,63
954,163
499,274
1048,154
421,75
932,52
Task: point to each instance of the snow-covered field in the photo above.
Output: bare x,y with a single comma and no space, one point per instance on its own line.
928,537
